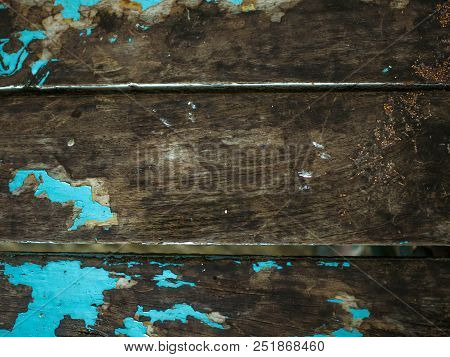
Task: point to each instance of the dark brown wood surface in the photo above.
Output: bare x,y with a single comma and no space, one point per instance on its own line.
233,168
295,297
256,41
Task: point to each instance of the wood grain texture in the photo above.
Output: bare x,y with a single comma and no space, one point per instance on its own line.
317,168
245,297
208,41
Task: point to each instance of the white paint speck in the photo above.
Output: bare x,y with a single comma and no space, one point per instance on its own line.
305,174
226,211
71,142
325,156
317,145
304,188
165,122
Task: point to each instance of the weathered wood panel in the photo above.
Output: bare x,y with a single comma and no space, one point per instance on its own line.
42,295
320,168
229,41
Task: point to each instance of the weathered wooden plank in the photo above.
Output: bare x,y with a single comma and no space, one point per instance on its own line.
224,41
42,295
320,168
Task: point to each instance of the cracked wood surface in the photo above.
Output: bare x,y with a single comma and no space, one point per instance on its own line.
317,168
226,41
246,296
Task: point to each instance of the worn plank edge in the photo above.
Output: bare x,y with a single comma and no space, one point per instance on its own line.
232,86
186,248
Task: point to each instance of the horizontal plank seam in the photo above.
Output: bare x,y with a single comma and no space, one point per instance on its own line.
358,250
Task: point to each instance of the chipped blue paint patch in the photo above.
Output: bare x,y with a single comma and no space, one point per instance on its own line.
178,312
132,264
3,6
37,65
169,280
386,69
342,332
357,316
360,313
289,264
58,289
62,192
333,264
162,265
86,32
10,63
145,4
270,264
132,328
336,301
71,8
112,39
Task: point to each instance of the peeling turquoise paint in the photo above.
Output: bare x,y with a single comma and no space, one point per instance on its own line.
132,264
37,65
132,328
58,289
112,39
165,280
162,265
62,192
237,261
342,332
179,312
360,313
336,301
43,79
145,4
3,6
234,2
86,32
10,63
334,264
357,316
71,8
270,264
289,264
386,69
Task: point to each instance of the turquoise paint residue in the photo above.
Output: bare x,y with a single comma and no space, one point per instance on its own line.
130,40
169,280
360,313
132,328
237,262
36,66
112,39
236,2
3,6
58,289
145,4
163,265
43,79
62,192
386,69
142,27
404,242
86,32
336,301
179,312
71,8
132,264
333,264
288,264
342,332
270,264
10,63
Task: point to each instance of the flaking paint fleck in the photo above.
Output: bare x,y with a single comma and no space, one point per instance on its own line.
179,312
267,265
168,279
333,264
71,8
163,265
60,288
86,210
